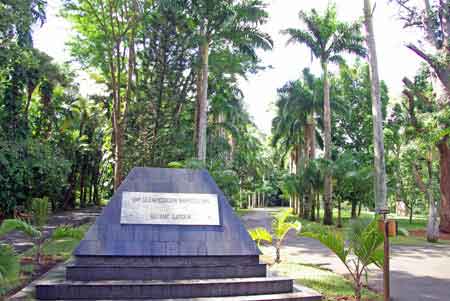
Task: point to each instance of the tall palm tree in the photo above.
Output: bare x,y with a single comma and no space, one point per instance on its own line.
327,38
231,23
294,128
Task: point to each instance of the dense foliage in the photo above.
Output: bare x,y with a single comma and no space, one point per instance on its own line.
146,57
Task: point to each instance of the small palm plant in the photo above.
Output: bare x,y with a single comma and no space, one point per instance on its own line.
9,267
9,261
40,209
281,225
363,248
260,235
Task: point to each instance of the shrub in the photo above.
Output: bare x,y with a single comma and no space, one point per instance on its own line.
40,208
68,232
364,247
9,267
281,225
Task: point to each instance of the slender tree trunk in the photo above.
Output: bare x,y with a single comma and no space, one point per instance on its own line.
358,289
318,207
433,225
444,165
118,155
411,212
202,100
278,252
354,207
377,115
339,223
328,188
359,208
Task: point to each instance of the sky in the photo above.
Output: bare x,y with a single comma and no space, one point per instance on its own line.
286,61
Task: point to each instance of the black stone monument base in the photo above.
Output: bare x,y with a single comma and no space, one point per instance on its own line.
151,261
178,278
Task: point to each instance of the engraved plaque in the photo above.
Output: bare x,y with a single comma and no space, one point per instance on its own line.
169,208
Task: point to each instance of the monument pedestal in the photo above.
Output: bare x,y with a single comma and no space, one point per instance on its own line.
168,234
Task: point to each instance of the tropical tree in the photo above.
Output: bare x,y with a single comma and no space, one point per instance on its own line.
432,17
327,38
223,23
295,129
111,49
361,247
378,138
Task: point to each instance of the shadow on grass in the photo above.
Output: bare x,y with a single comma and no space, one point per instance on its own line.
335,288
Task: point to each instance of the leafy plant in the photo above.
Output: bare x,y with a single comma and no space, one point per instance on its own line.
363,247
260,235
281,225
9,266
40,209
68,232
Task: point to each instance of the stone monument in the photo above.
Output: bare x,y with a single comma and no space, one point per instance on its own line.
168,234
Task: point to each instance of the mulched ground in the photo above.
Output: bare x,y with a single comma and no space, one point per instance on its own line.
423,233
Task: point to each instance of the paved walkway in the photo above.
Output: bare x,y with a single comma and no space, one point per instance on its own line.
417,273
76,217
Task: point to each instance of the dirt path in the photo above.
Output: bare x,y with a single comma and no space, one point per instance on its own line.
21,242
417,273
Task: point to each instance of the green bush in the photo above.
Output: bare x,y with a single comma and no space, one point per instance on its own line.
9,267
40,208
29,169
68,232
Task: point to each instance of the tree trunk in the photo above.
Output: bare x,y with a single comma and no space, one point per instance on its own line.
118,156
359,208
278,253
433,225
411,212
354,207
358,288
444,165
339,222
318,207
377,115
328,189
202,103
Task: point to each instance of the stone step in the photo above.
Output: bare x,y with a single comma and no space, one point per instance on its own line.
154,289
165,261
95,273
297,296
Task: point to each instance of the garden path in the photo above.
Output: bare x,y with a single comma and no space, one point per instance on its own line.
76,217
418,273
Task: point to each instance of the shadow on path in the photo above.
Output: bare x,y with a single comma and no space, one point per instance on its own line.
418,273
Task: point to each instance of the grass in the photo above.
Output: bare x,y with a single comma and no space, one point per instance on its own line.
332,286
60,249
419,222
241,212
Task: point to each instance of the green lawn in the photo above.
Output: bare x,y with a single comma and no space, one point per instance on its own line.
332,286
60,249
418,222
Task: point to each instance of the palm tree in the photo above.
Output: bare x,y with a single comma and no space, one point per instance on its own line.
235,25
378,140
361,247
281,225
295,126
327,38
